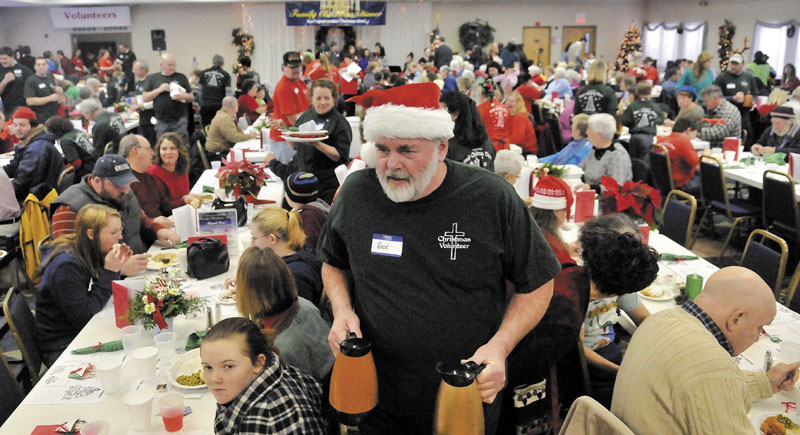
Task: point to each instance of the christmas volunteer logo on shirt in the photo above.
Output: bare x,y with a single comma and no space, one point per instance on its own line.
454,240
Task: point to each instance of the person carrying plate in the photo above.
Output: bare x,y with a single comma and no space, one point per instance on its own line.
322,157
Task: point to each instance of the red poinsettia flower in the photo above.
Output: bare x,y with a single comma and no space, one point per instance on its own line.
642,199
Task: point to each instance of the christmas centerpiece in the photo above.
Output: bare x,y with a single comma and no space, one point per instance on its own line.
161,301
634,198
242,178
549,169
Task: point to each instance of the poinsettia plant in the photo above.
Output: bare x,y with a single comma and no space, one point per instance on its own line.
247,176
634,197
161,299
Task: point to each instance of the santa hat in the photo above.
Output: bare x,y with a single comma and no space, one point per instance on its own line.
552,193
409,112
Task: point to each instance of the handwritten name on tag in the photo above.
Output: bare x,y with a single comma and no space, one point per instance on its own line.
384,244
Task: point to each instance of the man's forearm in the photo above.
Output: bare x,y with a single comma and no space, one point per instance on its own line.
186,97
335,284
150,95
523,313
38,101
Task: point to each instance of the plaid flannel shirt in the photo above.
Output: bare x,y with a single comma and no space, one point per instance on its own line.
692,308
281,400
716,133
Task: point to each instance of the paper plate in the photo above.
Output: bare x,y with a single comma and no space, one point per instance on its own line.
156,263
226,298
303,139
185,364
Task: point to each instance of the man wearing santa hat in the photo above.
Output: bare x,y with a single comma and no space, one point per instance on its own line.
432,246
37,163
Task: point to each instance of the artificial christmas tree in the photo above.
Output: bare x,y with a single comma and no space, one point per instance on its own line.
631,43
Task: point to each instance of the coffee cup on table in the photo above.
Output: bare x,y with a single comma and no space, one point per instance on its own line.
109,370
730,157
140,408
144,362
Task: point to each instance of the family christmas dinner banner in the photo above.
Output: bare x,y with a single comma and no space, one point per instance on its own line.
336,13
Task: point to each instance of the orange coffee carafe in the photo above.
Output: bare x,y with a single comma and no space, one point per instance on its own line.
459,409
354,381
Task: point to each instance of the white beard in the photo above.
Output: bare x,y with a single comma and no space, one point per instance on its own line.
414,188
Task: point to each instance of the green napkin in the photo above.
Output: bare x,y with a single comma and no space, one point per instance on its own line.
194,340
675,257
110,346
734,167
208,189
775,158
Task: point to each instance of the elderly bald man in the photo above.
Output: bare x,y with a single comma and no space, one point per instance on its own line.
679,375
169,91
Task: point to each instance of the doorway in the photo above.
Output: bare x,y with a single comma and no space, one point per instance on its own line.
91,43
573,33
536,43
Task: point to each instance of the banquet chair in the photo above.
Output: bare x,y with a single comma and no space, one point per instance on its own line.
768,263
22,326
791,291
12,392
661,169
679,212
588,417
640,170
783,220
108,148
568,380
715,200
65,179
201,151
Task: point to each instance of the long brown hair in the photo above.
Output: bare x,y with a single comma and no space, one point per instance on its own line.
257,341
265,286
699,66
93,217
182,166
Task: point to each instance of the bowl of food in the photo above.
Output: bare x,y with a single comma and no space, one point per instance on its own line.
187,372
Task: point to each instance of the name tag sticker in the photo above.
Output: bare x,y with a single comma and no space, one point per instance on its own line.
42,85
730,85
384,244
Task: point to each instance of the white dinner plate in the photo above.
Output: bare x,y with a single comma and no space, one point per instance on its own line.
758,419
303,139
185,364
221,298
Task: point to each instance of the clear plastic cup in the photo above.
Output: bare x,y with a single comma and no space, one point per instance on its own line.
140,408
109,370
99,427
165,342
131,338
144,361
171,407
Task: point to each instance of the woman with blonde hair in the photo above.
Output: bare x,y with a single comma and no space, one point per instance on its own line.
266,293
171,164
699,75
76,273
596,96
520,127
281,230
324,70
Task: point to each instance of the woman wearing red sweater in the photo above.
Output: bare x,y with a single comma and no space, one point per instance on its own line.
494,115
520,128
172,165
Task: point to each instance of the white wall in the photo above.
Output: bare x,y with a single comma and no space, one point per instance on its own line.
200,30
743,14
612,18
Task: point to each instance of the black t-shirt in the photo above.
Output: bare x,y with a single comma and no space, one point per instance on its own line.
214,81
108,127
37,86
146,114
76,146
310,159
127,61
167,109
732,84
14,94
249,75
596,98
437,291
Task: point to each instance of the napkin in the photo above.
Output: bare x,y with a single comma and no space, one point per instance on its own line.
675,257
194,340
175,89
109,346
309,127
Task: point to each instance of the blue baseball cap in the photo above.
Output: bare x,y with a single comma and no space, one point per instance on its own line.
115,168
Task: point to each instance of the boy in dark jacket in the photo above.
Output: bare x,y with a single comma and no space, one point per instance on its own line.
642,117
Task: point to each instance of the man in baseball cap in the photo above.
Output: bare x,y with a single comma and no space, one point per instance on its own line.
430,244
110,184
778,137
738,87
36,163
290,99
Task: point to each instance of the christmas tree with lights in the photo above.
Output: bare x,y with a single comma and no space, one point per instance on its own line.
631,43
725,45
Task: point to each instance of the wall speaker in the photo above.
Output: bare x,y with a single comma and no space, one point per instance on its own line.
159,39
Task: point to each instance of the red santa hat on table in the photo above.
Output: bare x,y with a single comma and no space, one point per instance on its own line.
552,193
408,111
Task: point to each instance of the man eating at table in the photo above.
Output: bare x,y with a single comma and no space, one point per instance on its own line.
110,184
678,375
429,272
777,138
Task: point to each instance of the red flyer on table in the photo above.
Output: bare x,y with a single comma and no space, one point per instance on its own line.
122,292
731,144
584,205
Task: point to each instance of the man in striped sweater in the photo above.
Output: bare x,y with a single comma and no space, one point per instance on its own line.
679,374
730,124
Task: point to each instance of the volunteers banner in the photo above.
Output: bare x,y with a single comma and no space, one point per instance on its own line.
336,13
105,16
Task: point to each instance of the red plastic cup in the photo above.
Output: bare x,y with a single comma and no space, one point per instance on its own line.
171,406
644,230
